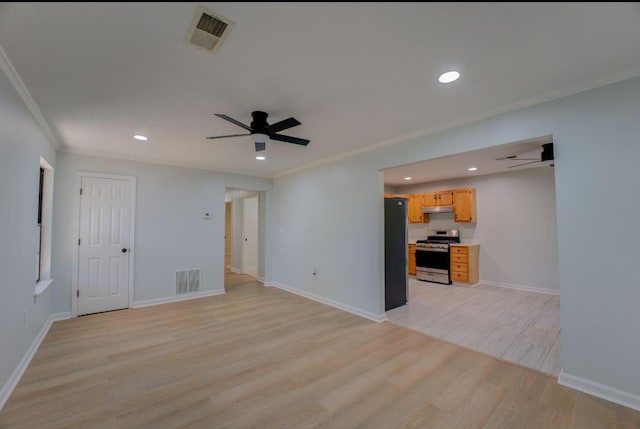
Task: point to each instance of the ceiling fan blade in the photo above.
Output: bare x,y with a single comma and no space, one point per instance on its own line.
283,125
526,163
233,121
230,135
289,139
515,158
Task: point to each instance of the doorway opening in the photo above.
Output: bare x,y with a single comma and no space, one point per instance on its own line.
244,236
499,291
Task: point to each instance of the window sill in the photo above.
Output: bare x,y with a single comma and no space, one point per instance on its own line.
41,286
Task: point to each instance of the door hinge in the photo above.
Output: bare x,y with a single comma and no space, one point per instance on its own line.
78,241
78,293
80,191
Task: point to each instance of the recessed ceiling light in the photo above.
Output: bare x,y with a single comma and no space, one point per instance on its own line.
407,178
141,137
261,158
472,168
448,77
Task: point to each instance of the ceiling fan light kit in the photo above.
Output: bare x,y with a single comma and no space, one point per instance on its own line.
261,132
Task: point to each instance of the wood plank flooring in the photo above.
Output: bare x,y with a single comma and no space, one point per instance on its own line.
514,325
263,358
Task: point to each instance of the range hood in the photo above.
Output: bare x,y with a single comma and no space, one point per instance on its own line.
438,209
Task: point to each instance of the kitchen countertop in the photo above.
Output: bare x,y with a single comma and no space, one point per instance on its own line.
469,243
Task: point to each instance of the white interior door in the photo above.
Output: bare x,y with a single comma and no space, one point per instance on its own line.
250,236
104,254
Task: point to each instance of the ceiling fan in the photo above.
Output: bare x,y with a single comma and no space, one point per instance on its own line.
546,156
261,132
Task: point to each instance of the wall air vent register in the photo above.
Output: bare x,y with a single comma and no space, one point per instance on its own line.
187,281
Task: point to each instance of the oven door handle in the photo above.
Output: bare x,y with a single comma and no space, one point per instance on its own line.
422,249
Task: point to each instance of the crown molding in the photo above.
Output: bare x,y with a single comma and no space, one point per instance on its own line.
16,81
98,154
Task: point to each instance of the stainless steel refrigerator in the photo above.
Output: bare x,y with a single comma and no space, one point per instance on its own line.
395,252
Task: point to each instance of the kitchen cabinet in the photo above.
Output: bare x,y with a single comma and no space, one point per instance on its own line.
435,199
464,205
463,202
429,199
445,198
415,209
465,267
412,259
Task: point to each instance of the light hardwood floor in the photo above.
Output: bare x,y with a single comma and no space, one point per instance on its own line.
259,357
514,325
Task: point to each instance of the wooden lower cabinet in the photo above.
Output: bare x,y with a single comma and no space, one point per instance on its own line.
464,263
412,259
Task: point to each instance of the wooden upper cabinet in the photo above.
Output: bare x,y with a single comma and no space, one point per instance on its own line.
464,205
445,198
435,199
415,208
429,199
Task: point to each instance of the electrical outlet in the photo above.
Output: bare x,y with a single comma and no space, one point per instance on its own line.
206,215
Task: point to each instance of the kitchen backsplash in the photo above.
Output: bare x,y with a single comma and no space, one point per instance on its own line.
441,221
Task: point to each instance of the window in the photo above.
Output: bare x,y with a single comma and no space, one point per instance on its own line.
39,252
43,228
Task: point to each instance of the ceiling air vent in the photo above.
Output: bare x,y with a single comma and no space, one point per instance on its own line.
208,30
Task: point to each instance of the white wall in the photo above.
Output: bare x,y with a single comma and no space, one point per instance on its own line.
330,216
388,189
516,227
22,143
171,233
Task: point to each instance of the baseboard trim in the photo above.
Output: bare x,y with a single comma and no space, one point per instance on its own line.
600,390
260,279
269,284
521,287
312,296
170,299
17,373
235,270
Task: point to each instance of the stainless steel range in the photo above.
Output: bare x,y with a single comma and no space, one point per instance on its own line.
433,256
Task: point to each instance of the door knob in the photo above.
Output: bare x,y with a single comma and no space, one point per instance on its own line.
124,250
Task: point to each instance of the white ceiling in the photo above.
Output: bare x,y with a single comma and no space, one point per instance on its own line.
355,74
456,166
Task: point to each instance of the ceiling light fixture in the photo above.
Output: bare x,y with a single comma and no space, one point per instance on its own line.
407,178
141,137
448,77
259,138
472,168
261,157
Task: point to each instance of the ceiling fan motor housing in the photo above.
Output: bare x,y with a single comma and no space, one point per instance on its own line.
259,124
